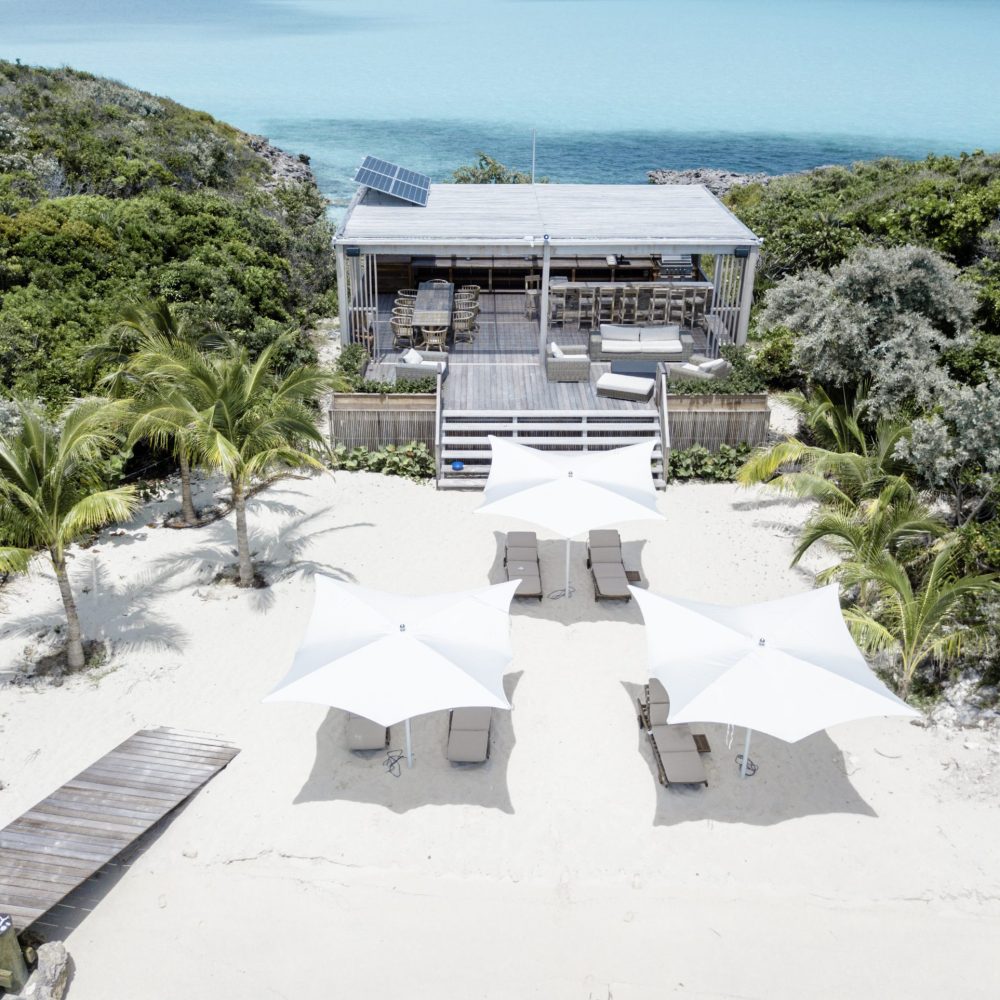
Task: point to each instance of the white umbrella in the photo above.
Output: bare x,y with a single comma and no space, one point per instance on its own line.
787,667
569,492
388,657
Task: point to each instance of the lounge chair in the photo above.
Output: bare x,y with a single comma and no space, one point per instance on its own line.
469,735
676,750
604,559
363,734
520,561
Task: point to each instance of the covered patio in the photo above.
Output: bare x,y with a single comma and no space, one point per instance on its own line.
551,262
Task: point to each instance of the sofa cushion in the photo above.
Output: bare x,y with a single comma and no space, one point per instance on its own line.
611,331
412,357
557,351
657,350
660,334
619,347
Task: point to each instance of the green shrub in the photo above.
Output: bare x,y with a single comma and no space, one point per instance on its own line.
698,462
413,461
351,365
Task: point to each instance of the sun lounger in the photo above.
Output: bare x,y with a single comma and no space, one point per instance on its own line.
520,560
676,750
604,557
469,735
363,734
605,546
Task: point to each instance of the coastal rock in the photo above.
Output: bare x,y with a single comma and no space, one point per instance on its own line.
719,182
285,168
965,704
51,975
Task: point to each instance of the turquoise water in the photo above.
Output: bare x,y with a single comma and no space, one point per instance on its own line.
612,87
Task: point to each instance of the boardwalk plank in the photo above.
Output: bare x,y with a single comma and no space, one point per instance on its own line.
64,839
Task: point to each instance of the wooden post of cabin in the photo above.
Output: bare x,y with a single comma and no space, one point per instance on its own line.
746,296
543,301
13,970
345,322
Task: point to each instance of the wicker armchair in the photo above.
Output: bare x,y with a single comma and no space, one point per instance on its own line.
573,366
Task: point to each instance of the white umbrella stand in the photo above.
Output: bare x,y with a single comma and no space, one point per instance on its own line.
390,657
570,492
788,667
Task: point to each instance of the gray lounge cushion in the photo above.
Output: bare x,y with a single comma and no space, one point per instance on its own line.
682,765
525,539
610,581
521,554
468,746
363,734
604,538
606,554
471,718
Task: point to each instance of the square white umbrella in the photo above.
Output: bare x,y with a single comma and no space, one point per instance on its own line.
787,667
569,492
388,657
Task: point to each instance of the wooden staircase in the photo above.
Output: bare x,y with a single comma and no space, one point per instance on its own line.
464,437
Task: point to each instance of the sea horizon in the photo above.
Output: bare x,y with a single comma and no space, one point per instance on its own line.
774,90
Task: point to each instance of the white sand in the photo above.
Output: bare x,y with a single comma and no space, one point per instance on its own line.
859,863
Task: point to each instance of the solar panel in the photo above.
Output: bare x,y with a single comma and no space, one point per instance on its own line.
391,179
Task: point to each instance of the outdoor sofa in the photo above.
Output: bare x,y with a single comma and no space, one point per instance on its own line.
469,735
567,364
676,750
614,342
409,368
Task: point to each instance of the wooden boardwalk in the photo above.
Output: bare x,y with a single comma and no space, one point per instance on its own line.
61,842
500,369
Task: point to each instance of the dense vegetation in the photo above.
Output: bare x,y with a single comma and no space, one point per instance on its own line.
110,196
879,306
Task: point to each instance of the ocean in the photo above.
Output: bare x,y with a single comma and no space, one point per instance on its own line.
611,88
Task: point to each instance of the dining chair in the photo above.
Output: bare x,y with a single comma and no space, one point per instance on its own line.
434,337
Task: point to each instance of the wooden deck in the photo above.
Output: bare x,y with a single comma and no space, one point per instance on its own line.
500,369
61,842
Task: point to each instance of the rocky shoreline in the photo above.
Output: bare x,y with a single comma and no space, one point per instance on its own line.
284,167
719,182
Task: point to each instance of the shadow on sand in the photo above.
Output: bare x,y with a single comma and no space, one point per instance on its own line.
808,778
339,774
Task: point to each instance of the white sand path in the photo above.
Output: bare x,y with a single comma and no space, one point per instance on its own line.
858,863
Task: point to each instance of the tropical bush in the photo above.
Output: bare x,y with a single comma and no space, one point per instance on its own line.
414,460
698,462
110,197
351,366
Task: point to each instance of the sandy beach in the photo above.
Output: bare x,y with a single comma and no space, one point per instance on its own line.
861,862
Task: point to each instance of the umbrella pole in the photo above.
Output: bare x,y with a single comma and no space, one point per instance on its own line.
409,746
567,568
746,754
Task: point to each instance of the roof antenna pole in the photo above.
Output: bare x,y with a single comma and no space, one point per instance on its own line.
532,156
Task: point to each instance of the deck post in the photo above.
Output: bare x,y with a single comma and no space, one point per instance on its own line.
746,296
543,301
345,325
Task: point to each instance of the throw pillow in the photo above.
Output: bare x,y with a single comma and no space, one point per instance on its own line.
713,366
412,357
557,351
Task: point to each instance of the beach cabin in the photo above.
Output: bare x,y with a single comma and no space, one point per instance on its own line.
571,286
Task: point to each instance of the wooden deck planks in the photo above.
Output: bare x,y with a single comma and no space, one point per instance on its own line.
64,839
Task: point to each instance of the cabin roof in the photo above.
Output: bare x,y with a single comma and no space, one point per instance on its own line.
594,216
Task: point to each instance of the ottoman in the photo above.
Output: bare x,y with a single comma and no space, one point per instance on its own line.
630,387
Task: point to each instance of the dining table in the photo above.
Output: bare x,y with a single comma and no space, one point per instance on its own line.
433,304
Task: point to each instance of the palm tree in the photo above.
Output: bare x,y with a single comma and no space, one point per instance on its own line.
918,620
51,492
242,418
894,522
843,467
141,331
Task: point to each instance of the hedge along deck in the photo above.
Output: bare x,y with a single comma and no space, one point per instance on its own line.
63,840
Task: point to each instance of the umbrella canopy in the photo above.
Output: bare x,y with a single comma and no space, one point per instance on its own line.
787,667
569,492
389,657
